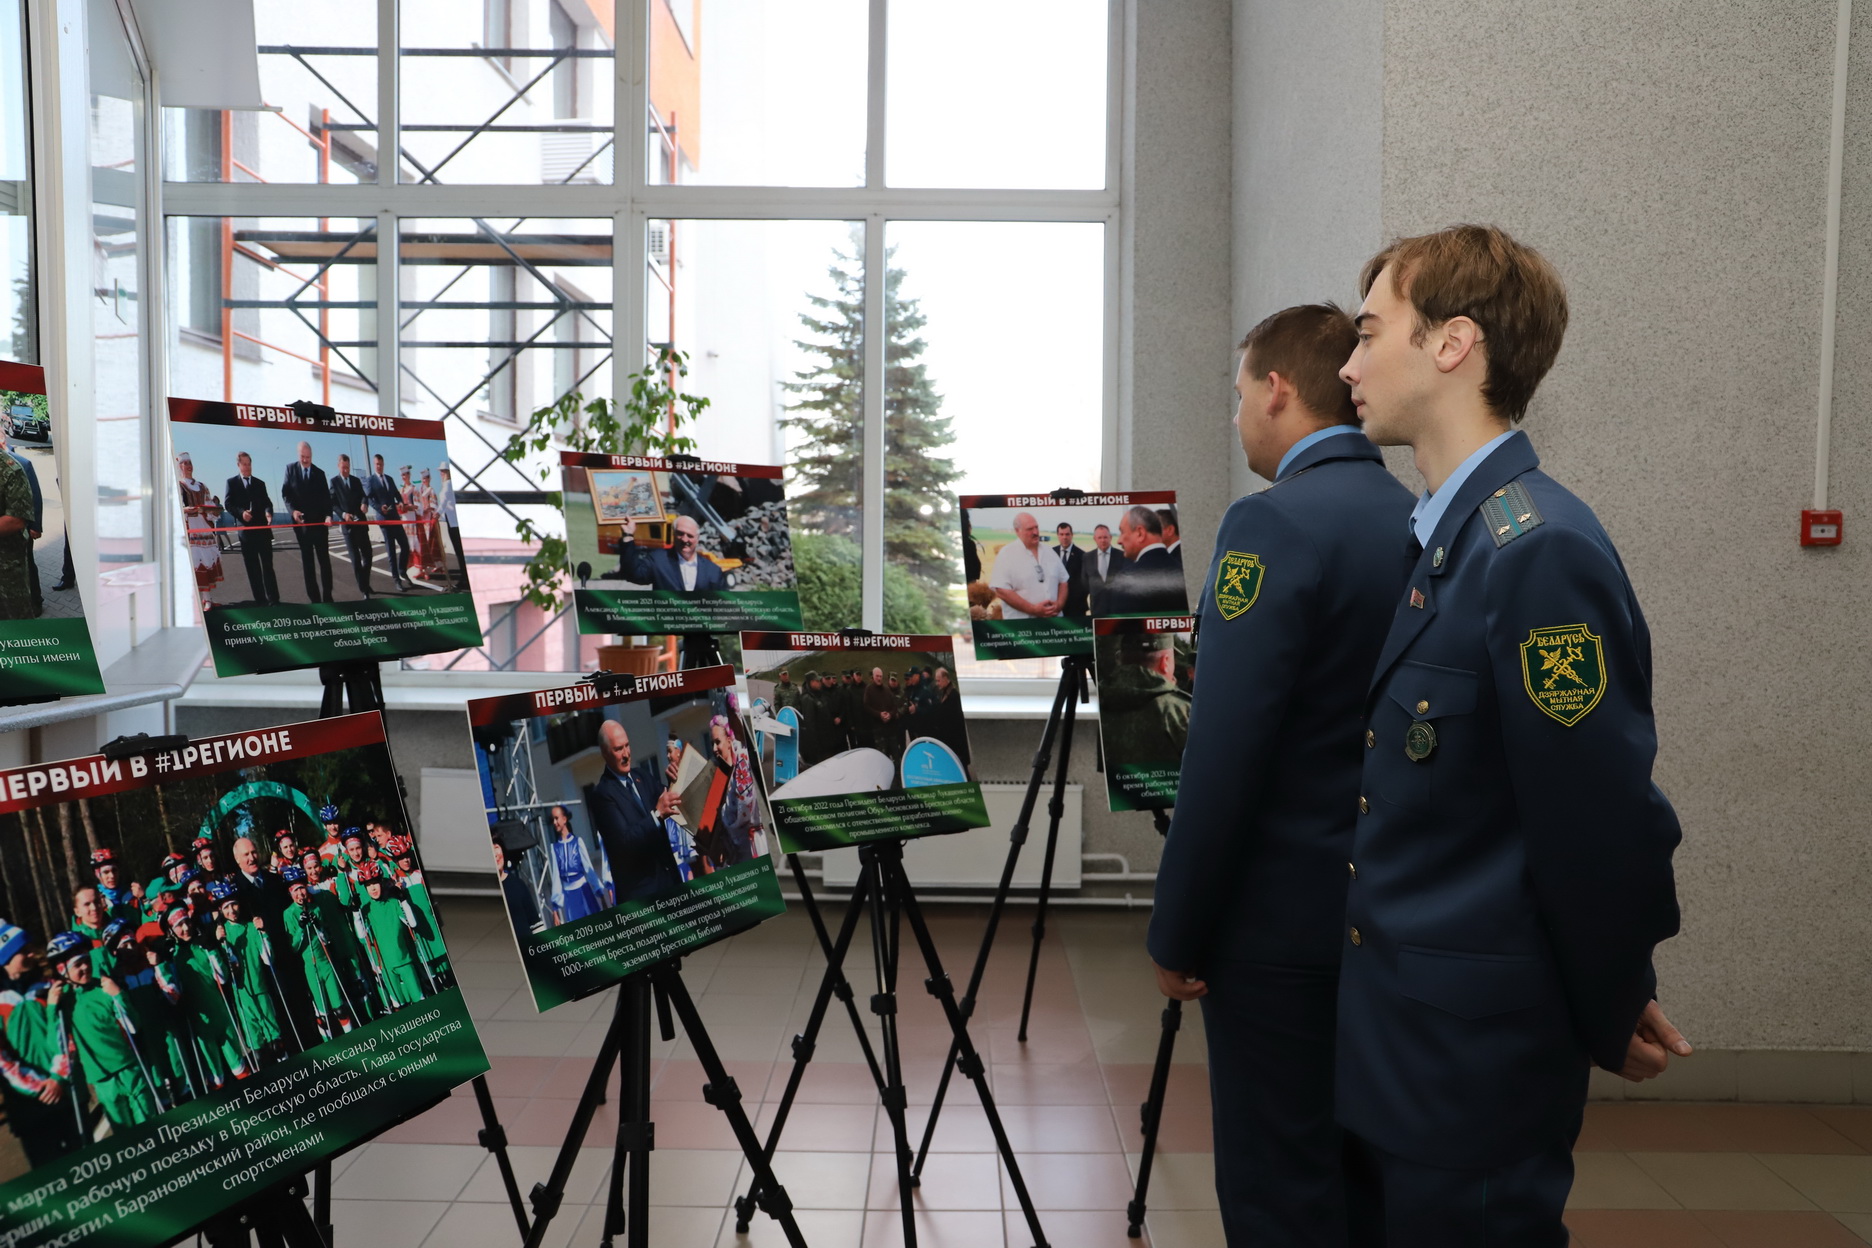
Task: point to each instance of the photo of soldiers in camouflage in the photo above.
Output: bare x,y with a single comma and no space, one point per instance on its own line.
1144,682
873,701
166,943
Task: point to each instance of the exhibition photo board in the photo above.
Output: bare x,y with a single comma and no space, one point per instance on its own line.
880,748
45,644
1146,667
1040,567
677,545
628,826
222,965
317,536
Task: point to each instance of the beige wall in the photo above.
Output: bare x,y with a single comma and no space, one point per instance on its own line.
1671,158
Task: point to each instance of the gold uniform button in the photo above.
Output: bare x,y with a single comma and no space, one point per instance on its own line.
1364,806
1353,868
1371,738
1422,707
1356,938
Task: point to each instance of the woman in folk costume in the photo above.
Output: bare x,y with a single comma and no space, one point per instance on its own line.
412,522
429,512
409,877
575,882
200,510
739,818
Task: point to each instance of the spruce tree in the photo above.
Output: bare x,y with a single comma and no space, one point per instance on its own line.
829,414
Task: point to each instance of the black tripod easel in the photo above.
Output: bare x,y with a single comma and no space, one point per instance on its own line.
890,897
627,1046
1151,1111
361,685
1075,687
832,984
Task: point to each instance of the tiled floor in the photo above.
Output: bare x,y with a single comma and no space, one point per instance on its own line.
1650,1175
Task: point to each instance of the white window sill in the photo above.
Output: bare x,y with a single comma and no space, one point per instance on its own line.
158,670
1012,698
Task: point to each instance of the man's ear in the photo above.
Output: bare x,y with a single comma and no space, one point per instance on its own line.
1280,394
1454,342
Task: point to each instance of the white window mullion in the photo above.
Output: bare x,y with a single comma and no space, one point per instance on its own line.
876,330
389,111
630,120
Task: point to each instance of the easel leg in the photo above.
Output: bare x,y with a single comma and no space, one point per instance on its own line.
832,983
636,1134
1071,685
893,880
1056,810
493,1137
1152,1113
723,1093
884,1005
548,1196
321,1204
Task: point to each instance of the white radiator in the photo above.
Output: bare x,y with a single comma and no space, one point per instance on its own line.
453,831
974,859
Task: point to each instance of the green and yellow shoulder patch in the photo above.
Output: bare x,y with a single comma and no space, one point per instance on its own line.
1238,583
1563,668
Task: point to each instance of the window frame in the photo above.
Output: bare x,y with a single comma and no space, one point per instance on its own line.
633,201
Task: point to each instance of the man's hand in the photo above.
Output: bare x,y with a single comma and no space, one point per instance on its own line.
667,804
52,1092
1179,985
298,517
110,987
1652,1045
629,525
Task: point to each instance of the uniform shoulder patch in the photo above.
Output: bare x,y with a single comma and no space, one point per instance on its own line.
1563,668
1510,512
1238,582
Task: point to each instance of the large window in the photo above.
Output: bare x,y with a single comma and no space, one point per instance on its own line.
19,331
883,233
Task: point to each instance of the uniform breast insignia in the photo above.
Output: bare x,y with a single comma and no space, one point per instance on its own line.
1238,583
1510,512
1419,740
1563,668
1416,597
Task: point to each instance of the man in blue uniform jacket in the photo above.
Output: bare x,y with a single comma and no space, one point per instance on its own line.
628,806
1511,870
1251,889
682,568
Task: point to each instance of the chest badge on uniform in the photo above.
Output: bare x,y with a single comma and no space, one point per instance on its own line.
1563,668
1419,740
1416,598
1238,583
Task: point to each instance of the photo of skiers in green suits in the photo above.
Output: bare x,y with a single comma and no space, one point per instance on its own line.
171,942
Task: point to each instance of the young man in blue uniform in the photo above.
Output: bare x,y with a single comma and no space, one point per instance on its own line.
1251,890
1511,870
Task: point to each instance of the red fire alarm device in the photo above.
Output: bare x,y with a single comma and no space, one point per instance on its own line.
1821,528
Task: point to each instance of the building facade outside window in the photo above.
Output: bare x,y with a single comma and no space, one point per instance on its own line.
779,200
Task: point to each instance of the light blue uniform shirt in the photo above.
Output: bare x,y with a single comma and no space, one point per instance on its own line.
1430,507
1318,435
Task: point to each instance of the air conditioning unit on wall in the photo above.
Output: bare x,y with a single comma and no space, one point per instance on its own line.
566,159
